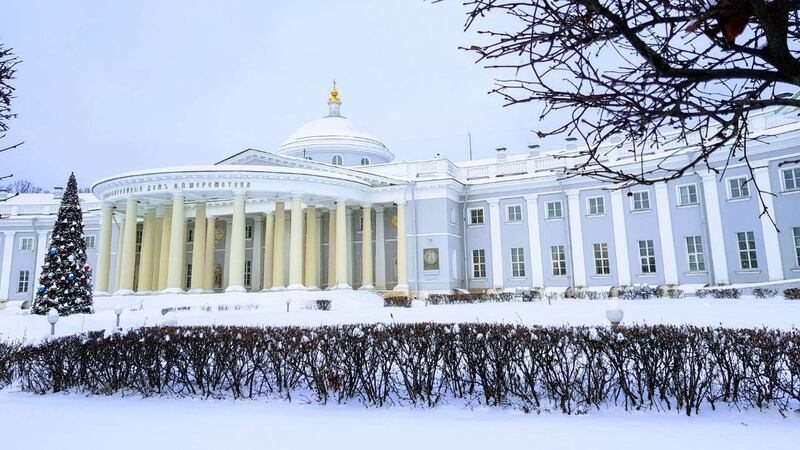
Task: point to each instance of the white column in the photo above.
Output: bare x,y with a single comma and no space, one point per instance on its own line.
318,242
496,243
402,249
620,238
331,248
349,246
278,244
380,250
715,233
118,257
8,252
226,262
103,268
128,250
145,285
576,238
177,246
236,278
258,253
41,249
312,248
665,234
534,242
269,239
199,249
771,244
296,245
208,259
366,249
159,223
341,246
166,244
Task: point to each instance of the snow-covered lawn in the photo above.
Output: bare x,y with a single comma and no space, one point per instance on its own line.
88,423
270,309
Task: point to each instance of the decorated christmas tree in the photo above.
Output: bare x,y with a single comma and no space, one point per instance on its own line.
66,281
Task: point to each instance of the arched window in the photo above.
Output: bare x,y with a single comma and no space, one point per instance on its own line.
336,160
365,161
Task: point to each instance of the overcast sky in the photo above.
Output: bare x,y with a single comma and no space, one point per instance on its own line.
108,87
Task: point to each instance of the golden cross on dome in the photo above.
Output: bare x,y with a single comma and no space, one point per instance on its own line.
334,94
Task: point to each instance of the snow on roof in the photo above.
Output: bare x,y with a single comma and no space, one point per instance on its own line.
44,198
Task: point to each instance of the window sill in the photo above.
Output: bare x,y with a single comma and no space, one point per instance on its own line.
695,274
601,277
559,277
647,275
748,271
738,199
430,272
795,269
516,222
518,278
594,216
640,211
478,279
689,205
791,191
553,219
475,225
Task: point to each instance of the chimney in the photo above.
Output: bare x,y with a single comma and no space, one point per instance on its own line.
532,152
501,154
571,145
58,192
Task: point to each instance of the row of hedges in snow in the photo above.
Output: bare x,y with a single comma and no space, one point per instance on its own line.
540,368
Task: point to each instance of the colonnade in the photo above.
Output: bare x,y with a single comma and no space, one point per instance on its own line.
163,248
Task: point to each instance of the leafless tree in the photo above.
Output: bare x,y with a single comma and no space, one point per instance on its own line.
8,64
24,187
652,74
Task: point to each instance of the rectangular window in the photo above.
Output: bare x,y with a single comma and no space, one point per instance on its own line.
190,235
139,238
248,232
595,206
559,260
738,188
553,210
647,256
694,252
747,250
90,241
687,195
514,213
796,235
24,281
791,179
478,264
517,262
26,244
476,216
602,266
640,200
248,273
188,276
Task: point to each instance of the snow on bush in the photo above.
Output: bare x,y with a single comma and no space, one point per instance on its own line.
571,369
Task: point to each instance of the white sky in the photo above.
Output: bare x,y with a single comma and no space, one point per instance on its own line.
107,87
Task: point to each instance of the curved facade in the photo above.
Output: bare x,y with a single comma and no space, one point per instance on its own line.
297,219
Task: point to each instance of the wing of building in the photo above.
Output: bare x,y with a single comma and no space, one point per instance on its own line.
330,208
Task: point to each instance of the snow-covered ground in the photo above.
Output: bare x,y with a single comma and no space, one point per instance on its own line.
361,307
92,423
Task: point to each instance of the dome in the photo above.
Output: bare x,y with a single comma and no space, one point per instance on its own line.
335,139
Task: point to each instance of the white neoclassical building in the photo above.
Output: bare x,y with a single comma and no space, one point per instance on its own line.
331,209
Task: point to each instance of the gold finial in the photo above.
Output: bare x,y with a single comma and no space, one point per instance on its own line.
334,94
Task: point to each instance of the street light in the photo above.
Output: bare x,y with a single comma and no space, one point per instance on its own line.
118,312
52,317
614,313
288,301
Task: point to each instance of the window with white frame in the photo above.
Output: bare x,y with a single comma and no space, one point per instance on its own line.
336,160
647,256
640,200
791,179
558,258
190,235
24,281
738,188
796,235
476,216
188,276
747,250
139,233
518,262
479,263
26,244
248,273
687,195
553,210
602,266
365,161
694,254
248,232
360,224
90,241
514,213
595,206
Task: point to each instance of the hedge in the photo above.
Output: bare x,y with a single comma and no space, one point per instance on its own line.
571,369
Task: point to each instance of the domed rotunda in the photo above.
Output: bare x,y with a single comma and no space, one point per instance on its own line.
335,139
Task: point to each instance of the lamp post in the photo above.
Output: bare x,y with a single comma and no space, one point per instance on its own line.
614,313
52,317
288,302
118,312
